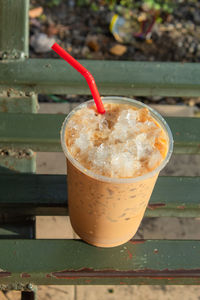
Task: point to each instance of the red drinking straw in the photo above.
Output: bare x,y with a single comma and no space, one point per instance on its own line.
88,76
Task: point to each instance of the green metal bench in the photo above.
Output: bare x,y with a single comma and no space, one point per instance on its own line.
26,261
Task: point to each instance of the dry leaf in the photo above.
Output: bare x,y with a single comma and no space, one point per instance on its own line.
35,12
142,17
118,50
52,30
92,43
149,41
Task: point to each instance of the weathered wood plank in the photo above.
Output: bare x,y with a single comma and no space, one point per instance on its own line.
75,262
33,194
40,132
112,77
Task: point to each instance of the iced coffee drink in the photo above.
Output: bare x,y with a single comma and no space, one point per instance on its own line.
113,161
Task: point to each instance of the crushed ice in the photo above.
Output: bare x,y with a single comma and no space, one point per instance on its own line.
115,147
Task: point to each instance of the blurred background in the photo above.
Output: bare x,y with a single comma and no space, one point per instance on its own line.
138,30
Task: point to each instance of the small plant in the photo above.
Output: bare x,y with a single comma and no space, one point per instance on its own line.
165,6
84,2
52,3
94,6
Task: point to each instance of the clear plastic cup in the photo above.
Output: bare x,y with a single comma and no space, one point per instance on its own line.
104,211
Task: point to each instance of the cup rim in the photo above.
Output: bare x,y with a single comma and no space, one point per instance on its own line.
114,99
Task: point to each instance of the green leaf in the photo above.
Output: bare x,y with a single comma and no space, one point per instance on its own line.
159,20
94,7
157,6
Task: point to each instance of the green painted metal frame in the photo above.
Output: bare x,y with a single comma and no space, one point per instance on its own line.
112,77
18,103
14,45
14,30
75,262
18,131
16,160
33,194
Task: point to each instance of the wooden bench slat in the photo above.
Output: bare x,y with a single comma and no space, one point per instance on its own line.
75,262
29,131
112,77
33,194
